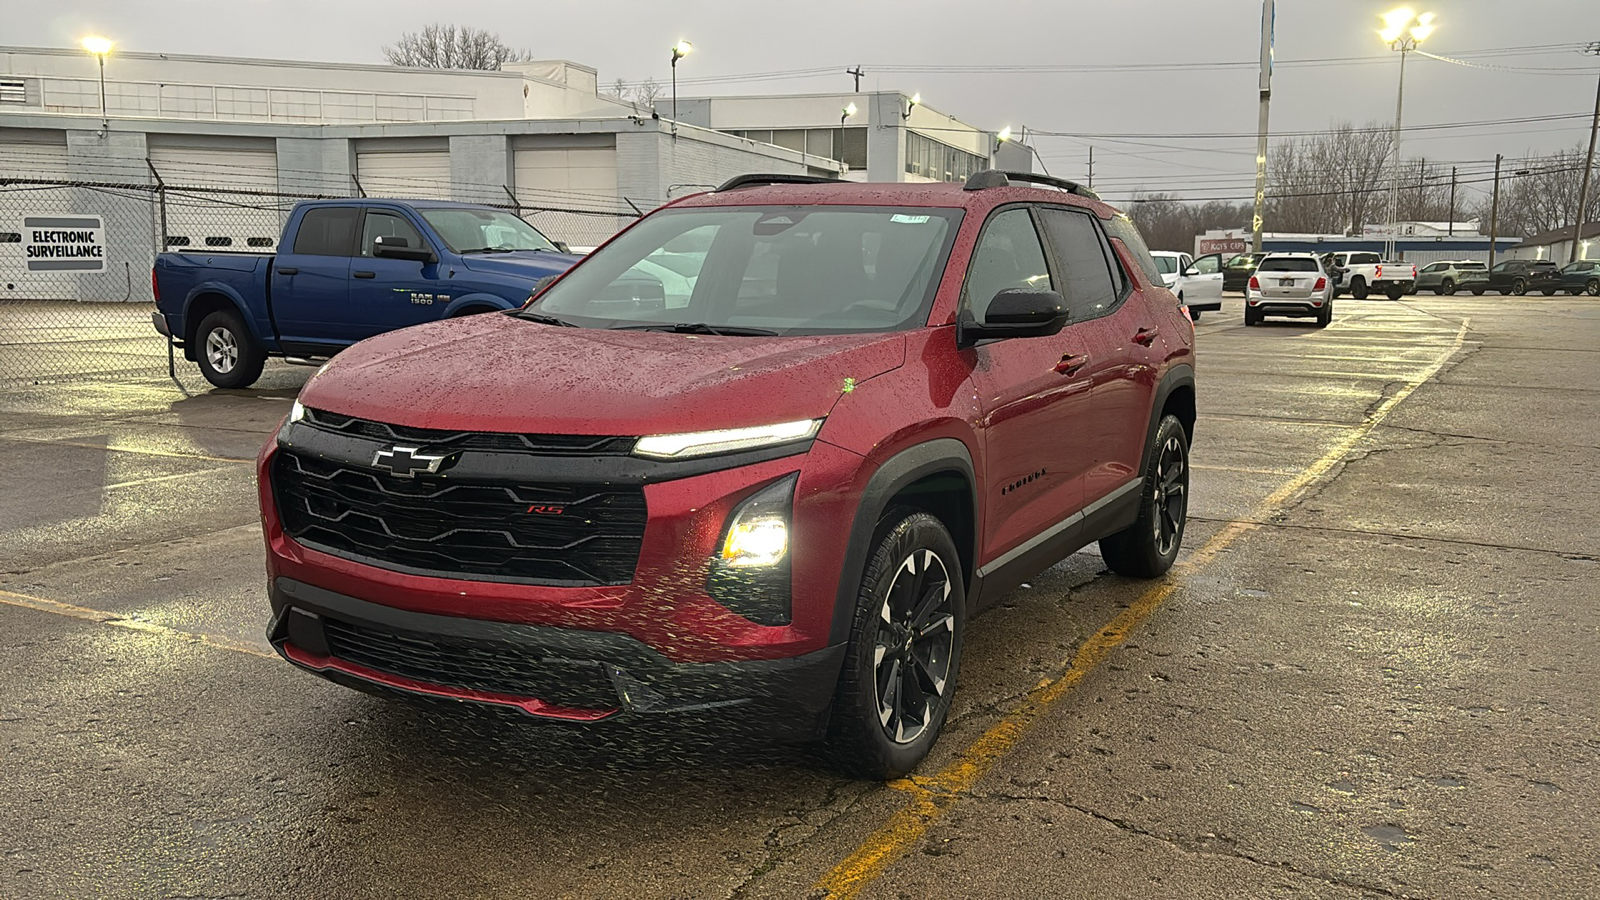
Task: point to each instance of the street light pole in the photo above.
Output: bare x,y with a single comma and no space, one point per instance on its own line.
99,47
679,51
1403,30
1494,210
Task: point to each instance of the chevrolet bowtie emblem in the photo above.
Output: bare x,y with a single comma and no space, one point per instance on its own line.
406,462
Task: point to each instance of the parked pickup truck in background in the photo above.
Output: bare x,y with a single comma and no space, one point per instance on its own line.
350,269
1359,273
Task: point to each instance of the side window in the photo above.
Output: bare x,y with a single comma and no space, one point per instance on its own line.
1122,228
386,224
1085,272
1008,256
1209,265
327,231
1502,267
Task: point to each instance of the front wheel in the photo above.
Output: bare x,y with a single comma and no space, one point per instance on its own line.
228,356
904,650
1148,547
1358,289
1447,287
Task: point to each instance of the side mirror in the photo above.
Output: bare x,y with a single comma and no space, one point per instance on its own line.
562,246
1191,271
393,246
1014,313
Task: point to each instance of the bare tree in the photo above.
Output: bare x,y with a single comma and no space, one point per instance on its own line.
1544,199
648,91
619,89
1329,183
1168,222
448,47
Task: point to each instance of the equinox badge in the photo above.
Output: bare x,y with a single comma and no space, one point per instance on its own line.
406,462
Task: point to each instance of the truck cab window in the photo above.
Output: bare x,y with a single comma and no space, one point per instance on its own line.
384,224
327,231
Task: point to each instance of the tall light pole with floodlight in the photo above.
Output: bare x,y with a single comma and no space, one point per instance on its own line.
679,51
1402,30
846,113
99,47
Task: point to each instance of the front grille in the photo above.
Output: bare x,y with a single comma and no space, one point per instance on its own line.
444,441
582,534
476,665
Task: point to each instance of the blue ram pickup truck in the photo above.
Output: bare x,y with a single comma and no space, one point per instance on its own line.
349,269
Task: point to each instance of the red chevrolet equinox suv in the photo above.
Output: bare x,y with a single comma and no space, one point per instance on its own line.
767,451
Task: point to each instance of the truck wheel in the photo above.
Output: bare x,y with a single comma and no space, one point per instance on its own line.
228,356
1477,292
1358,289
1519,287
1194,315
1147,548
904,650
1548,292
1592,288
1394,292
1447,287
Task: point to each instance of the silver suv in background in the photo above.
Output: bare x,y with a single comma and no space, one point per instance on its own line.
1289,284
1450,276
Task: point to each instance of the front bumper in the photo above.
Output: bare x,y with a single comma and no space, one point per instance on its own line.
543,671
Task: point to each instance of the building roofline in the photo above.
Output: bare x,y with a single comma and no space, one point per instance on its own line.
265,61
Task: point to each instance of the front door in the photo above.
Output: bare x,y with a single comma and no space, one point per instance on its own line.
1034,394
385,293
1208,284
311,282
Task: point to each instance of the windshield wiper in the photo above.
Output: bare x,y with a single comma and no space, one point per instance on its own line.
698,328
543,318
485,250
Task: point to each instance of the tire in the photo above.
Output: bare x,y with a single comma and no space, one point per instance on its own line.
1519,287
1194,315
1358,289
1251,316
228,356
1477,292
1325,315
1148,547
875,729
1394,293
1448,287
1548,292
1592,288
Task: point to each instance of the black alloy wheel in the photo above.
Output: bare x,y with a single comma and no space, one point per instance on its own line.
1592,288
1447,287
1519,287
1148,547
904,652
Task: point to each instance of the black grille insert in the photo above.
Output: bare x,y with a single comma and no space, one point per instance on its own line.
542,444
475,665
558,534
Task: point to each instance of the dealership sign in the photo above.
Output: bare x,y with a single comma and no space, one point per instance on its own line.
1227,243
64,243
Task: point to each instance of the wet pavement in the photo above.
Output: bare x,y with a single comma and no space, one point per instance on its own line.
1373,673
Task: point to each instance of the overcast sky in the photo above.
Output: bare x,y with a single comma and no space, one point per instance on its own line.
1154,113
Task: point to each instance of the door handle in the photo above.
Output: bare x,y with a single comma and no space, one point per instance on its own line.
365,274
1145,336
1070,364
288,270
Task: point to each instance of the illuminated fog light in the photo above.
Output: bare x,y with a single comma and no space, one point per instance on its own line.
762,541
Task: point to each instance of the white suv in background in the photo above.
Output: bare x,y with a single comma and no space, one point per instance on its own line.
1289,284
1197,282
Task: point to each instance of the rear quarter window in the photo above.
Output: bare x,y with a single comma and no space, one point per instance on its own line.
1122,227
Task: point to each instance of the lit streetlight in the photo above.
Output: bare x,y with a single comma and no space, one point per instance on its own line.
1001,137
100,48
846,113
1403,30
679,51
916,101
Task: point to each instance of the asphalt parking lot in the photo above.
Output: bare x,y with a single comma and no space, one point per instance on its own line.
1372,674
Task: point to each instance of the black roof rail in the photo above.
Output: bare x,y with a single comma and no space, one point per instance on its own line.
739,181
992,178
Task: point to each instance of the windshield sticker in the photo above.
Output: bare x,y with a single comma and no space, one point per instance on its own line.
908,220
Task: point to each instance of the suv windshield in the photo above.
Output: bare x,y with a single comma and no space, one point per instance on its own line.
750,269
1288,264
466,230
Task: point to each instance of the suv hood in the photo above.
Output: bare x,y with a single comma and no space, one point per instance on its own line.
493,372
529,263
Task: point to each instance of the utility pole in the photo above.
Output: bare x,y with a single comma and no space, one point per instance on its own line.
857,73
1583,192
1494,210
1452,225
1264,87
1422,187
1091,167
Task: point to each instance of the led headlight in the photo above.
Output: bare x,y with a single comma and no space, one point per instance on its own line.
750,573
297,412
728,440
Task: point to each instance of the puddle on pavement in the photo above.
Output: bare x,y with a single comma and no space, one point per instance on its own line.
1391,837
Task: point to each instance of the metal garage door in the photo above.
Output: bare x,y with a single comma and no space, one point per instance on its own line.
571,173
40,155
420,174
220,195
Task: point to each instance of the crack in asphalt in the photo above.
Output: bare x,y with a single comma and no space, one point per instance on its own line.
1197,848
1564,554
776,848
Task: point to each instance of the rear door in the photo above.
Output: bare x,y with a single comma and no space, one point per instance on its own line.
1034,394
1288,278
386,294
311,280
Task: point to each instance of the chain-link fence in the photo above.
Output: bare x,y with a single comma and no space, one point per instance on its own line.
76,299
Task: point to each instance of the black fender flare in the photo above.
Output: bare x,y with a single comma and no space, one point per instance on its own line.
1181,375
898,471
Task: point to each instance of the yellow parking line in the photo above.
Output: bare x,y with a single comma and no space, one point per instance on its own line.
110,618
934,794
